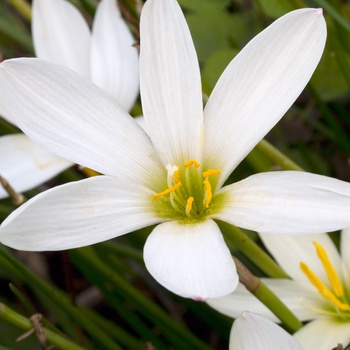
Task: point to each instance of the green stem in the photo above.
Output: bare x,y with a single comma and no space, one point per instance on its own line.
269,299
24,323
255,286
277,156
250,249
173,329
59,298
23,8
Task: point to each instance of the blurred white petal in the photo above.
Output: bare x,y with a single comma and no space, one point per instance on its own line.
25,165
61,35
344,248
324,334
114,59
254,332
294,295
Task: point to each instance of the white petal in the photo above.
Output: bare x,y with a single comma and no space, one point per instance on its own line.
78,214
323,334
295,295
260,85
170,83
25,165
71,117
61,35
287,202
191,260
251,331
345,248
141,121
114,59
290,251
233,304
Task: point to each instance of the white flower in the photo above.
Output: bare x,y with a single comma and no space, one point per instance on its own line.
173,176
254,332
106,56
319,290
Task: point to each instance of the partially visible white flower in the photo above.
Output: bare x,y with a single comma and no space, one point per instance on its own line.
173,176
106,56
319,291
254,332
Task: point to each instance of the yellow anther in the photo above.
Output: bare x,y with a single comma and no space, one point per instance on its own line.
177,176
167,191
332,275
323,290
191,162
189,206
208,194
211,172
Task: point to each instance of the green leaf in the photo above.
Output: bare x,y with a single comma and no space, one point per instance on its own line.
214,67
328,80
275,8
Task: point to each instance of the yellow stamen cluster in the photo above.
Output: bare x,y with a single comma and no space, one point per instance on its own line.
336,294
188,194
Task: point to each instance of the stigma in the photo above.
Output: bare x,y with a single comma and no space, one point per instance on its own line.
334,294
189,189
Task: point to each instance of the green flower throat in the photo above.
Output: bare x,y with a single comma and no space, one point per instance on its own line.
189,196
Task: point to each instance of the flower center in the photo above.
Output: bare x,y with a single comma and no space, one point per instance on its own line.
189,193
335,294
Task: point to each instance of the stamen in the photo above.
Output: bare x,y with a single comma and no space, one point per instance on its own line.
168,190
177,176
191,162
189,206
323,290
211,172
208,194
332,275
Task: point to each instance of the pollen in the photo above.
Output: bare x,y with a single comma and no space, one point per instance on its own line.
167,191
189,205
191,162
208,194
211,172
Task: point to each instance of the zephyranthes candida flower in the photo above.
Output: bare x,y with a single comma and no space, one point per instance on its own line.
174,175
319,289
104,55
